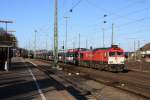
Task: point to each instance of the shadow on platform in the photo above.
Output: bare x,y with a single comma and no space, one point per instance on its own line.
18,87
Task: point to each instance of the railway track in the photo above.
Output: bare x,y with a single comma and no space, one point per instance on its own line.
138,84
134,82
68,81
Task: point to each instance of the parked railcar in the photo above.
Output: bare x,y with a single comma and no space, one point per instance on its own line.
72,55
44,54
61,56
50,55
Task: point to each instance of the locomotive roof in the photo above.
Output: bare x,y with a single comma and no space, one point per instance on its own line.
101,48
106,48
80,49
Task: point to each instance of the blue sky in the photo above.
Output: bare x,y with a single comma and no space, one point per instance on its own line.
131,20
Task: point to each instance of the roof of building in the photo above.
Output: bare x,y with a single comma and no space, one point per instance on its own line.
146,47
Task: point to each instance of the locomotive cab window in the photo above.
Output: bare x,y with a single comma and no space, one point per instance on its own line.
111,54
71,55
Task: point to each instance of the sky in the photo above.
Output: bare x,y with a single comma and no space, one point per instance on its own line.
131,19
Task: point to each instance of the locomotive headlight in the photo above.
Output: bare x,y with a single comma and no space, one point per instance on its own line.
121,62
110,62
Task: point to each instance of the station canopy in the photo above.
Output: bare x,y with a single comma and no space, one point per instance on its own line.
7,39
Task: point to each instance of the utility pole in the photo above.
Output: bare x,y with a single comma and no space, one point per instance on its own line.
139,44
134,50
103,38
86,44
46,42
64,54
29,50
35,32
73,45
139,51
63,45
56,35
112,38
105,15
66,19
79,40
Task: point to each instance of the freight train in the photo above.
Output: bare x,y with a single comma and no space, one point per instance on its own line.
109,59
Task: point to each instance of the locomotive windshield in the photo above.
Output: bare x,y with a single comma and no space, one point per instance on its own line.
111,54
119,53
71,55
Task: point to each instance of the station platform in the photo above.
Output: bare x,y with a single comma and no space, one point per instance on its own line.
24,81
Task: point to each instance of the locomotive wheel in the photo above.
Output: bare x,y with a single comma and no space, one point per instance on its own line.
101,67
107,68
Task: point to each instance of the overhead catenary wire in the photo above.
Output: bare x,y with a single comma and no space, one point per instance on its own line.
107,11
129,23
118,17
136,21
132,22
75,5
